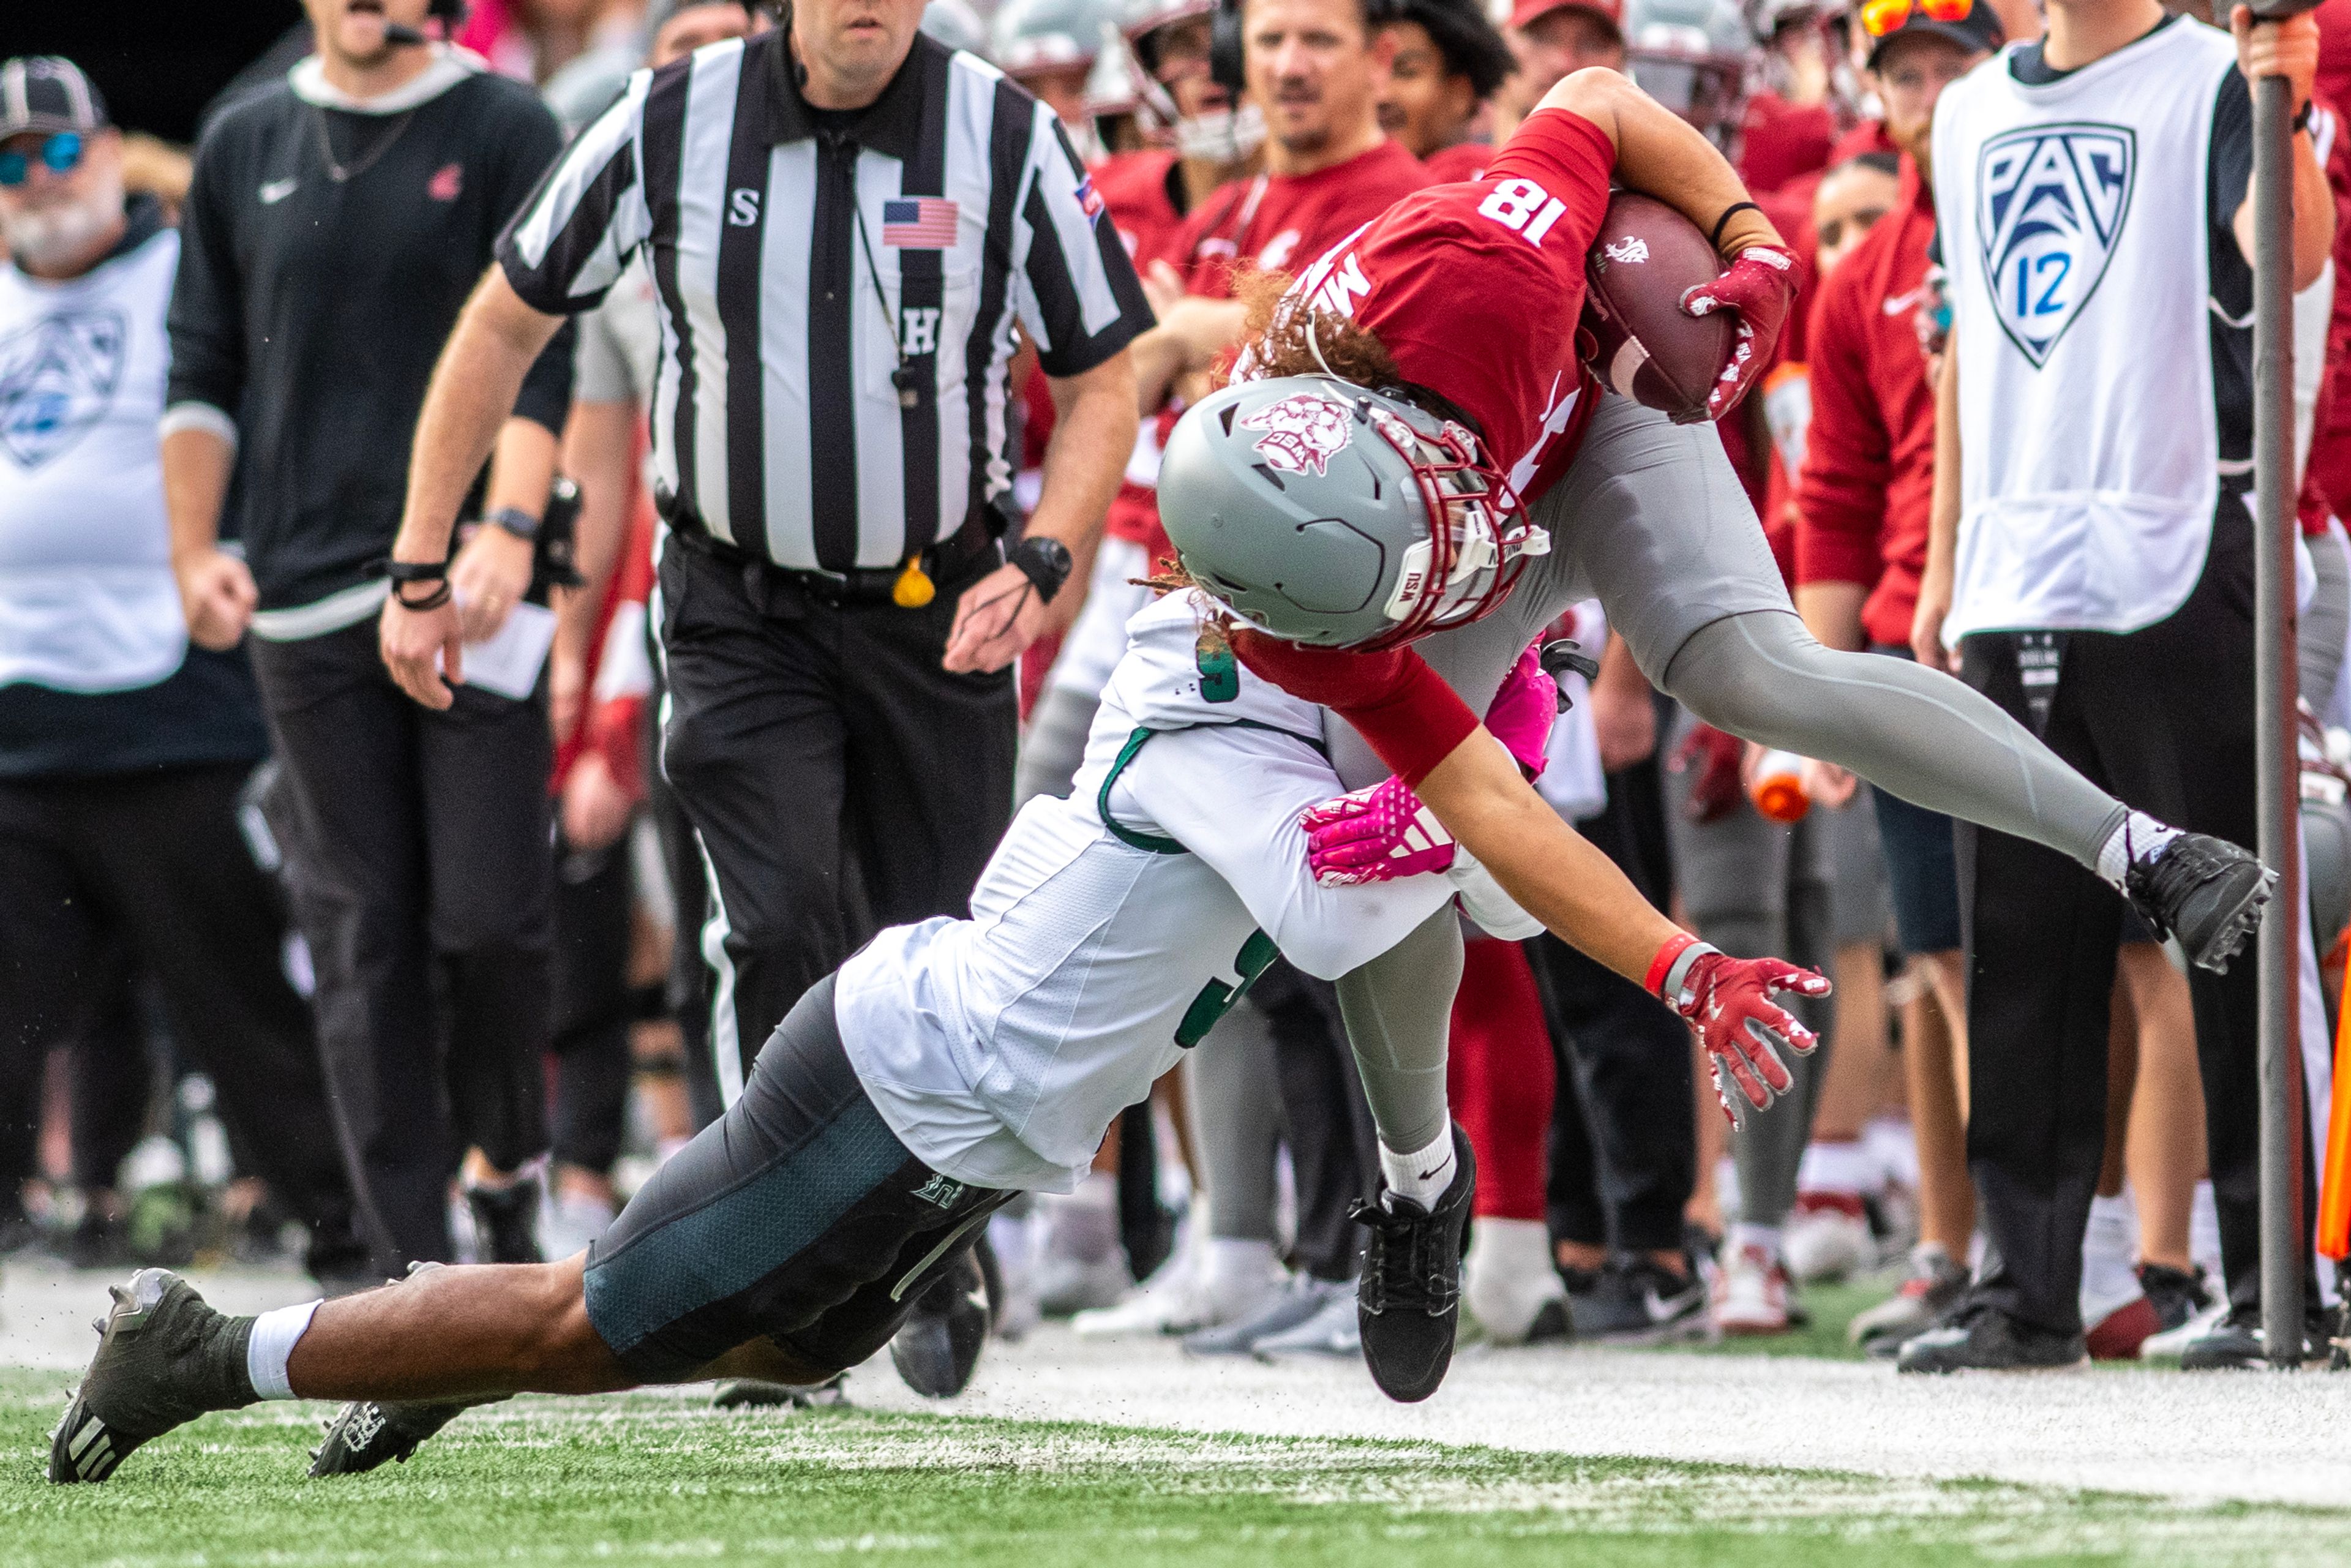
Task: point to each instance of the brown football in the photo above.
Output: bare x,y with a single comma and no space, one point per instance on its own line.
1643,346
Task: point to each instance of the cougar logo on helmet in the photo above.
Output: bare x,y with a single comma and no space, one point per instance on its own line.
1302,433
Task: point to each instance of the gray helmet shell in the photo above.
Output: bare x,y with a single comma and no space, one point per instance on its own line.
1286,500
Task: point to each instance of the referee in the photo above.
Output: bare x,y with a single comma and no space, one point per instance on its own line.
844,221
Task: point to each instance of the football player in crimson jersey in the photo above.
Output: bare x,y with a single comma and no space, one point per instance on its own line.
1328,167
1461,302
1450,61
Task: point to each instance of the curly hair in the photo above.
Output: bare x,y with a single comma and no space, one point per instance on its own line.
1277,331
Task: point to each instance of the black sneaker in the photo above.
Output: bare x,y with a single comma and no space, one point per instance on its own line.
2176,1294
937,1348
1636,1301
505,1221
98,1240
163,1359
2205,891
1408,1300
2236,1343
1986,1338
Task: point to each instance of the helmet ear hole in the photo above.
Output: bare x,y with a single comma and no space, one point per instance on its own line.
1226,415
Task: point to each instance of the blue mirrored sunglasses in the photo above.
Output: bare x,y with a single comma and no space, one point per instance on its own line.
61,154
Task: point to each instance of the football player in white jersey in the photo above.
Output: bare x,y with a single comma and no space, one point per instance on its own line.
943,1068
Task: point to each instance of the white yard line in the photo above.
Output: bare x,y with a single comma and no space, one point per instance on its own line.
2249,1436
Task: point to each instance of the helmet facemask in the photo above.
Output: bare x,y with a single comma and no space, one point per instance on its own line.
1478,540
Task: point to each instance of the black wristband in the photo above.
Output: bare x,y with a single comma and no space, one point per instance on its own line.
516,521
403,572
1045,563
2301,122
1715,239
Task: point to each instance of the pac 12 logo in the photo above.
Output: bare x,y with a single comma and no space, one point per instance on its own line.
2050,204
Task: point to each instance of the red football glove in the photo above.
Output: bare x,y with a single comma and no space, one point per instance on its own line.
1728,1004
1760,285
1713,758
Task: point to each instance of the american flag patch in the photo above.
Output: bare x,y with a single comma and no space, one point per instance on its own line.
918,222
1090,200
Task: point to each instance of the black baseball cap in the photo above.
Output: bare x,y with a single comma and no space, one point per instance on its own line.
44,92
1977,30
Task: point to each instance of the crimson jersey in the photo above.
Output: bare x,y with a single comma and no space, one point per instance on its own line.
1133,187
1462,161
1475,290
1274,221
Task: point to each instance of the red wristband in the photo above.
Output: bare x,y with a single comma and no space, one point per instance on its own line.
1662,965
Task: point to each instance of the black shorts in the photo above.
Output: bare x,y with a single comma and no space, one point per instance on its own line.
798,1214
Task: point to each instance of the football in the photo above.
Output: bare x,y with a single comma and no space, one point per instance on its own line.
1642,345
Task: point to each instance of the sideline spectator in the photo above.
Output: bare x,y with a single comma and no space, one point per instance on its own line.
124,752
1449,63
335,221
2091,557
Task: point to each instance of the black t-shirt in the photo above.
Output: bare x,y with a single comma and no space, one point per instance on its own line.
311,309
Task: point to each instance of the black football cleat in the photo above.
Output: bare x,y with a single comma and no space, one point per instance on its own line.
2205,891
937,1348
757,1393
364,1434
163,1359
1408,1299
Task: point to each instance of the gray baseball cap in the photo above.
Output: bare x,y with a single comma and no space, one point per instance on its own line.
46,92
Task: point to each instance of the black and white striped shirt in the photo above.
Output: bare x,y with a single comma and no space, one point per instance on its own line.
777,426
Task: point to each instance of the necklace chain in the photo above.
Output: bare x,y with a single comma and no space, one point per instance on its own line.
344,174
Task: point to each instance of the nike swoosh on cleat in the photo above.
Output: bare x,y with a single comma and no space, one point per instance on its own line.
277,191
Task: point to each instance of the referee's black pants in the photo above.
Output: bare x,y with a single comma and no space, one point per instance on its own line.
2162,717
149,870
838,780
420,873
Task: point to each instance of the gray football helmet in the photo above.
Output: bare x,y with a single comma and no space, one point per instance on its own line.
1323,513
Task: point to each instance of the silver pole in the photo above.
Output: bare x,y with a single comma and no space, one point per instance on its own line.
2284,1238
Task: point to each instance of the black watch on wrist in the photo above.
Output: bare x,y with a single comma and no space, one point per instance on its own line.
516,521
1045,563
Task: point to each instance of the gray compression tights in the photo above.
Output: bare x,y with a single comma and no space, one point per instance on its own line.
1236,1118
1761,676
2325,621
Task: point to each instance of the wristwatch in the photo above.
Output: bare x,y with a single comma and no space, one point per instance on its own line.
1045,563
516,521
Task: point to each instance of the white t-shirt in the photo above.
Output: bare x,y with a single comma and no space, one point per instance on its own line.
999,1048
87,603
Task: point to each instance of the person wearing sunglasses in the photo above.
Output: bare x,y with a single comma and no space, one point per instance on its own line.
124,751
2090,571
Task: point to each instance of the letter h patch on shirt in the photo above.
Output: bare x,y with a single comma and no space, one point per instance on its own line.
2049,205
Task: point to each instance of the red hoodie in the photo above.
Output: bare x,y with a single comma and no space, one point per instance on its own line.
1868,485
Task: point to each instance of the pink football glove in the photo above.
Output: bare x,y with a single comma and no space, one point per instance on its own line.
1374,835
1759,284
1523,711
1728,1004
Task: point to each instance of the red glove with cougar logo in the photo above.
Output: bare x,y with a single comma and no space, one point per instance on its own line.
1760,286
1728,1004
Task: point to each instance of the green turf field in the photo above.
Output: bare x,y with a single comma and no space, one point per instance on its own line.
663,1478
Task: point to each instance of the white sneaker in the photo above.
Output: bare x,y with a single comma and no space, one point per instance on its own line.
1065,1285
1828,1238
1509,1283
1753,1295
1079,1262
568,1221
1196,1289
2167,1345
1333,1331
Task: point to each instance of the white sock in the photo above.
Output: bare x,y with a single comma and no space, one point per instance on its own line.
1765,1238
275,1335
1422,1174
2204,1231
2113,1229
2138,837
1235,1266
1841,1165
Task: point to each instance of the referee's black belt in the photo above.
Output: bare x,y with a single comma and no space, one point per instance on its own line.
949,565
